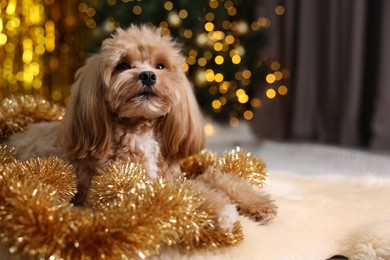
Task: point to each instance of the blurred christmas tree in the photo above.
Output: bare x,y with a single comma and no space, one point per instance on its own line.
43,42
222,40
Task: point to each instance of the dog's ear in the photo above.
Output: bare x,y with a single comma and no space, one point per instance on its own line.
183,131
87,122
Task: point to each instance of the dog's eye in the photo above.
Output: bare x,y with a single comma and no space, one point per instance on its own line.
122,66
160,66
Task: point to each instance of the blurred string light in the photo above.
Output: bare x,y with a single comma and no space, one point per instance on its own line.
273,78
279,10
22,44
38,46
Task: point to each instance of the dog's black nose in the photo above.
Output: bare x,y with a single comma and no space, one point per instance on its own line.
147,77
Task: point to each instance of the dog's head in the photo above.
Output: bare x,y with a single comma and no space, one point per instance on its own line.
138,74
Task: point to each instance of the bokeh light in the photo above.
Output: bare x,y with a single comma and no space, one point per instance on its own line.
43,43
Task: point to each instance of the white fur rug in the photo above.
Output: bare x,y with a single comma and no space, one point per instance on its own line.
319,217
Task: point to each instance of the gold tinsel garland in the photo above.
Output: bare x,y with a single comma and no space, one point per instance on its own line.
128,214
17,112
7,155
170,207
245,165
237,161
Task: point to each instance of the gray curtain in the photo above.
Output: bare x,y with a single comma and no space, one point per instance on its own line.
338,54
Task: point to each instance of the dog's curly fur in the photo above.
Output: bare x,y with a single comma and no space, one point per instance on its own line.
132,100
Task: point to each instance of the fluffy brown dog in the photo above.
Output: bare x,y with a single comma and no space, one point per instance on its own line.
133,101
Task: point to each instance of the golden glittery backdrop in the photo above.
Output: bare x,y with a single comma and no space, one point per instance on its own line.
40,47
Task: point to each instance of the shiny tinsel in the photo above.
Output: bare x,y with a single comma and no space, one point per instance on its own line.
245,165
164,212
114,182
17,112
7,154
37,221
34,225
237,161
33,196
197,164
50,171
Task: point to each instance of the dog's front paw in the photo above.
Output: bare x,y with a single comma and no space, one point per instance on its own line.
263,214
227,216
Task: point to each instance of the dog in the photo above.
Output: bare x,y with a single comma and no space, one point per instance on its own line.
132,100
